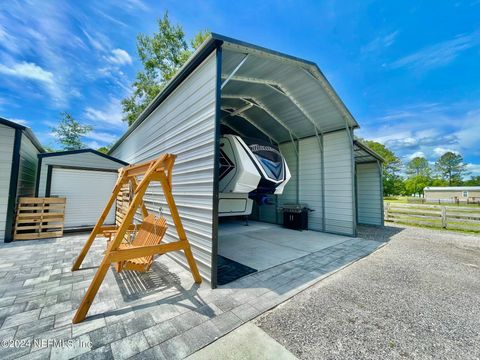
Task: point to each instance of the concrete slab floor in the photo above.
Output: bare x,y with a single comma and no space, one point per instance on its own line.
262,246
246,342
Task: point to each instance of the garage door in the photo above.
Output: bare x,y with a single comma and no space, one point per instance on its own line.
87,193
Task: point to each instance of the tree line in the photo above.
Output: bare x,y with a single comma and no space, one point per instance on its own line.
410,178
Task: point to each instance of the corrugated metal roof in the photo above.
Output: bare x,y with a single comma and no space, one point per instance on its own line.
363,154
280,87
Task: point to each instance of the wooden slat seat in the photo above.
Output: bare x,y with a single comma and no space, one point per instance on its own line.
151,232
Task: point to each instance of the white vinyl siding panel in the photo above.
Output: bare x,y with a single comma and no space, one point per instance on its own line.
86,160
311,181
7,137
369,194
28,168
183,124
85,202
338,172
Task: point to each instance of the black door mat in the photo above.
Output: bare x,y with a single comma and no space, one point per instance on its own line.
229,270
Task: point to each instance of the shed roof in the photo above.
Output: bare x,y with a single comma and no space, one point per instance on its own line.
284,96
81,151
364,154
452,188
27,131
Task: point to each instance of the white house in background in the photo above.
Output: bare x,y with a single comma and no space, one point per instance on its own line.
454,194
18,168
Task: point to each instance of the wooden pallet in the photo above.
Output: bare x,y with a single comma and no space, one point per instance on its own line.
39,218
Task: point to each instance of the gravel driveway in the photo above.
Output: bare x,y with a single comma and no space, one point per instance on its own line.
418,297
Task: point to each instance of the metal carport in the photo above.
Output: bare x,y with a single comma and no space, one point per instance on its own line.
254,92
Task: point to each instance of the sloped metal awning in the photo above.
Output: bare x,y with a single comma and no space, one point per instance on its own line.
363,154
277,96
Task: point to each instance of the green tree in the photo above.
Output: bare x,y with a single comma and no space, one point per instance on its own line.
451,168
103,149
161,55
473,181
418,166
69,132
419,175
392,181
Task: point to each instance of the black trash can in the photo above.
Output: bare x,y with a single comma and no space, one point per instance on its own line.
295,216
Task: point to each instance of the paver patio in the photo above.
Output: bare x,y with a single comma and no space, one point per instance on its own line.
159,314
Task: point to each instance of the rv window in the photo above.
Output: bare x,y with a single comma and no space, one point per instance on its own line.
465,194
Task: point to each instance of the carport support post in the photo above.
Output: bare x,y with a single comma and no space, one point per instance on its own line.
98,225
380,176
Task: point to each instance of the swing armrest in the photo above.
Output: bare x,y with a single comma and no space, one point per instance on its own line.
111,231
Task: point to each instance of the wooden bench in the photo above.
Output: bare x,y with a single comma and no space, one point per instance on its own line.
151,232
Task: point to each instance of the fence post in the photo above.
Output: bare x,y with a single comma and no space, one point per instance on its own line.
387,208
444,217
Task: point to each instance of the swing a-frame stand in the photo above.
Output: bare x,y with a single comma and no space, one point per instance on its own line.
156,170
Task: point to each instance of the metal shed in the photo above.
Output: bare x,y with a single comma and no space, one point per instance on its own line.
84,177
254,92
18,167
369,185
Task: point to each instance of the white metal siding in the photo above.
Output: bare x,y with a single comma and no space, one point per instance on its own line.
7,137
28,168
339,201
87,159
183,124
84,202
311,180
369,197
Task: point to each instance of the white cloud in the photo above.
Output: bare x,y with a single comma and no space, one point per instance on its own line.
119,57
473,169
29,71
93,145
103,137
111,114
439,151
136,4
380,42
98,42
19,121
439,54
416,154
468,134
430,128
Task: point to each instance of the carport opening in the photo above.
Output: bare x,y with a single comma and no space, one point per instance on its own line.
261,123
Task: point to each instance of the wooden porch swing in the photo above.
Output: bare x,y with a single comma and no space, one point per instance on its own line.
137,255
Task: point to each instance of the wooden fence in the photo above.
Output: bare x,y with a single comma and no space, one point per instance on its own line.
447,217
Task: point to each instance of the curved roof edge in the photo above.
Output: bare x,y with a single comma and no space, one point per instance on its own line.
365,148
28,132
81,151
210,44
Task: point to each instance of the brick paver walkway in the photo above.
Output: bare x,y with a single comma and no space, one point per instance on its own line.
159,314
